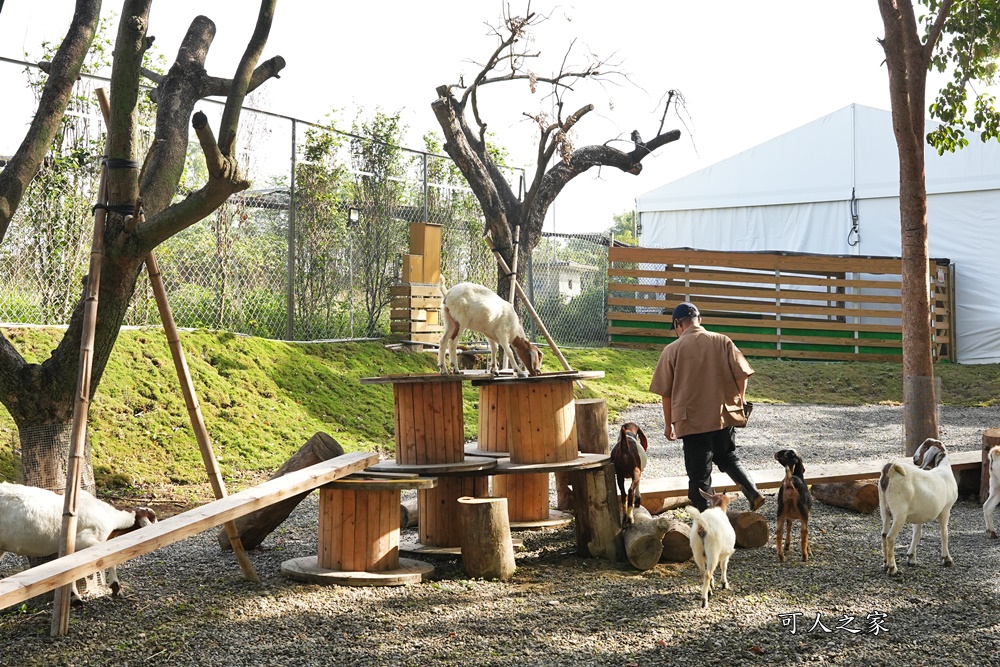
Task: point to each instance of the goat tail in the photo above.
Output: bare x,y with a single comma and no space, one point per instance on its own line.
693,512
442,286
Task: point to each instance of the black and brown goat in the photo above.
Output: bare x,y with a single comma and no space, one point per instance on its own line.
794,502
629,459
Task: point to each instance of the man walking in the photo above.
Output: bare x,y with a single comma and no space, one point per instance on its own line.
702,378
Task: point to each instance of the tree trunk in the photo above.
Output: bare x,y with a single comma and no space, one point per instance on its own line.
591,437
644,539
408,514
751,529
677,542
860,496
487,549
598,518
256,526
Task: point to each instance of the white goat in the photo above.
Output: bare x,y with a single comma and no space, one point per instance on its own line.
472,306
31,524
713,541
991,503
911,494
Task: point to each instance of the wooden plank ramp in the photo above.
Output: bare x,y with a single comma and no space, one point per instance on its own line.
674,487
27,584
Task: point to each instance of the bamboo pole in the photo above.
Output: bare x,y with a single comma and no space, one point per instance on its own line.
527,304
194,411
81,407
513,279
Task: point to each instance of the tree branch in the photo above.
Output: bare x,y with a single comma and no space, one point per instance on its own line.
217,87
935,32
63,73
241,81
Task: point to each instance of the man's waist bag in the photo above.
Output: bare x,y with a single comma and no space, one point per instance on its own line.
747,409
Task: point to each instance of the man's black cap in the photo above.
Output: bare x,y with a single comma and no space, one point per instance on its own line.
683,311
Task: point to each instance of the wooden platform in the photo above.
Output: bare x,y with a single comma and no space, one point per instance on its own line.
48,576
673,487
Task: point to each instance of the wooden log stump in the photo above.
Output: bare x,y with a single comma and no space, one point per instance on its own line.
991,438
858,495
644,538
592,438
598,520
408,513
487,549
751,529
256,526
661,505
677,542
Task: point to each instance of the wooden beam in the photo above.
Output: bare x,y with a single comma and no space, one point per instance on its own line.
672,487
25,585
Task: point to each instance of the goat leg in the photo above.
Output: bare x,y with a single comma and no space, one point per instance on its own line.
778,532
988,508
911,554
943,522
804,535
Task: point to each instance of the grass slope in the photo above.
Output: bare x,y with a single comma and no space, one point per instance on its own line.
261,399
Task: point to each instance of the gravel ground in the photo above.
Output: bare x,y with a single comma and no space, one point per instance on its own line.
186,604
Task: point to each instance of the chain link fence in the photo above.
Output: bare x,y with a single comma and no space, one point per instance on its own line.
283,260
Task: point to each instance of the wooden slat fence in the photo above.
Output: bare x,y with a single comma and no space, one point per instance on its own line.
781,305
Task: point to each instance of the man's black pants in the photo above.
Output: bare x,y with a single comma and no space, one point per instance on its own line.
701,450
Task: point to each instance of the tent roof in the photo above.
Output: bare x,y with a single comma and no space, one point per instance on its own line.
853,147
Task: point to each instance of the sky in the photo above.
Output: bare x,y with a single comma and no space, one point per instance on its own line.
748,71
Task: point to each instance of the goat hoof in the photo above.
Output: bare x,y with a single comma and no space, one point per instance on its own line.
947,562
76,602
992,534
116,589
781,557
911,562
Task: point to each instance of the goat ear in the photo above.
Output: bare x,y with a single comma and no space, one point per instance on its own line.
643,440
706,496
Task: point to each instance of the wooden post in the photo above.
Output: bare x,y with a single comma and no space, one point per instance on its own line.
991,438
598,518
487,550
751,529
513,280
256,526
858,495
592,438
644,539
81,407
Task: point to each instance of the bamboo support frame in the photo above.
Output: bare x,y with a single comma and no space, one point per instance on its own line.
527,304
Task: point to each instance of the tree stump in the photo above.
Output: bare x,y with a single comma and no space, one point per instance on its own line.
677,542
751,529
592,438
597,517
644,539
256,526
660,505
408,513
487,550
859,495
991,438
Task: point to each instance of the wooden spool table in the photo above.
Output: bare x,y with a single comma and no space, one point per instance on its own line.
535,417
359,535
430,440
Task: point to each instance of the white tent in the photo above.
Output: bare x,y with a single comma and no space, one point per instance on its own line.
794,193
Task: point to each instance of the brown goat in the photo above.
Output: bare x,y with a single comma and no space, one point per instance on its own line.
794,502
629,459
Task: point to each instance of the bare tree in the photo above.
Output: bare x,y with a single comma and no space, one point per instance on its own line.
466,140
43,394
